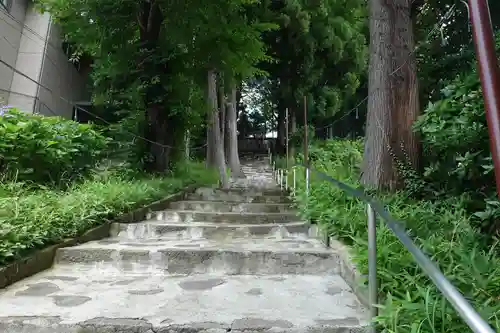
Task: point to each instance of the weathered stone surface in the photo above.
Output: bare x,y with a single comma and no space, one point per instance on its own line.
224,217
207,230
201,284
259,324
146,292
200,258
230,207
223,265
286,303
70,301
39,289
254,291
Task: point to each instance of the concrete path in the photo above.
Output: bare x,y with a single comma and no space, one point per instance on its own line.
234,260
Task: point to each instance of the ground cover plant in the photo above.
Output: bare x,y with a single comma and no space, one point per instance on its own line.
33,218
443,229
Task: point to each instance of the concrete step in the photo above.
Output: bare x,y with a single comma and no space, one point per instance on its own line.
238,195
265,172
214,231
230,207
262,173
255,255
189,216
81,300
247,191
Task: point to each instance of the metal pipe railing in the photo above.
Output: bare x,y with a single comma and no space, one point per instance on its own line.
456,299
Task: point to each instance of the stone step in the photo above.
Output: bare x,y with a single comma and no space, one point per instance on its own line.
256,255
239,198
189,216
248,191
214,231
62,301
263,173
230,207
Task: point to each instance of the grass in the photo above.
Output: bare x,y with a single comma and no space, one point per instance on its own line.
32,219
409,302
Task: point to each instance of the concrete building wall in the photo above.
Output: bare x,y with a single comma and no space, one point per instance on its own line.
33,45
29,59
62,78
10,39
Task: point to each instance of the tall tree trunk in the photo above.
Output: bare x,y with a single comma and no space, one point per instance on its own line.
378,167
405,85
232,138
187,142
210,158
211,149
227,144
222,107
158,124
280,140
218,148
293,128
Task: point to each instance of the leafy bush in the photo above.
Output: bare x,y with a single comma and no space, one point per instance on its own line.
455,139
46,149
33,219
409,300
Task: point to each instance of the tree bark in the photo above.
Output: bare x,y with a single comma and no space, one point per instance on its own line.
187,142
280,140
158,124
232,137
210,153
222,108
405,85
378,167
218,148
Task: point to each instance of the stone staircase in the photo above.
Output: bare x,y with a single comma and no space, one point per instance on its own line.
236,260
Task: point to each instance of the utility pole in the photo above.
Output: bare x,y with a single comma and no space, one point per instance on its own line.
482,32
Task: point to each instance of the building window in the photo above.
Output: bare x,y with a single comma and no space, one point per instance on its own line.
68,50
5,4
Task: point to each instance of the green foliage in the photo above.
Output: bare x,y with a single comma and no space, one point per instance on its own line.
167,70
47,149
456,153
455,138
409,300
320,51
34,219
296,139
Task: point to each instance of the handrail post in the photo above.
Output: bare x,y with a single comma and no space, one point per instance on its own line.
484,42
286,179
372,266
294,180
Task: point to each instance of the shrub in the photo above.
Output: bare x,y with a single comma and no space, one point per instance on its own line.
46,149
409,300
33,219
455,139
